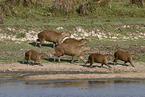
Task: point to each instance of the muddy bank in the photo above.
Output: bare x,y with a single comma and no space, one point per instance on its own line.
83,76
65,70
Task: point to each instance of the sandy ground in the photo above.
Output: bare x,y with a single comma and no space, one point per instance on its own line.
79,71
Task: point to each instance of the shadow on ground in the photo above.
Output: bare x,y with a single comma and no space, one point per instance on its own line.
61,60
45,45
31,63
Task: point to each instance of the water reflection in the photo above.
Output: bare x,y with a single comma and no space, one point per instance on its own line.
73,88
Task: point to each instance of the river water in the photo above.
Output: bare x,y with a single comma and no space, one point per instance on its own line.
74,88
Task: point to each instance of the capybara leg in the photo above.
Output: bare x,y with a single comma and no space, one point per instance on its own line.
91,64
37,41
82,58
86,63
131,64
41,42
101,65
115,60
24,60
54,57
53,45
59,58
124,63
108,65
40,45
34,62
28,59
28,62
40,62
73,57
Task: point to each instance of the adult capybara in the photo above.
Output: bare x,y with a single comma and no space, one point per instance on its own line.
34,55
1,21
124,56
76,42
99,58
51,36
68,49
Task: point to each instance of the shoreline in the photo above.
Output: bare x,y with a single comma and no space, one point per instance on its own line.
82,77
68,71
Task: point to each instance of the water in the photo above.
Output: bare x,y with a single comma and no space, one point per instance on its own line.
73,88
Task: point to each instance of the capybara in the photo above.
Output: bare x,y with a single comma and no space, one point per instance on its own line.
76,42
1,21
99,58
68,49
34,55
51,36
124,56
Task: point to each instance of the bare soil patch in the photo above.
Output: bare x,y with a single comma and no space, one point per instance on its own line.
77,70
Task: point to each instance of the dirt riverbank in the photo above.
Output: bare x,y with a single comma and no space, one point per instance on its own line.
69,71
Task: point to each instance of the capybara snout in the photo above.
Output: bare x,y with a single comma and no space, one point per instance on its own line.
137,57
44,56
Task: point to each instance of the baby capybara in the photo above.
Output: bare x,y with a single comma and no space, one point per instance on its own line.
124,56
1,21
68,49
76,42
51,36
34,55
99,58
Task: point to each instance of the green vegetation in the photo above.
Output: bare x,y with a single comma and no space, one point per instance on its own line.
111,23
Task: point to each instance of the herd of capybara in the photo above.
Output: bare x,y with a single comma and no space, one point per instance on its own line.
75,48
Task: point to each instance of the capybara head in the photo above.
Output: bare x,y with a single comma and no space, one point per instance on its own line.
84,41
137,57
109,56
86,48
1,21
66,34
44,56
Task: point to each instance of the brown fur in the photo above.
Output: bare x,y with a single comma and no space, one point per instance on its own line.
124,56
76,42
1,21
99,58
34,55
109,56
68,49
51,36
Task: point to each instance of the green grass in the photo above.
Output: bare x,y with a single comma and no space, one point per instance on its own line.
12,52
40,17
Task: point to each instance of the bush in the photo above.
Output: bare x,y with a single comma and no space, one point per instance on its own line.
81,7
65,7
85,9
